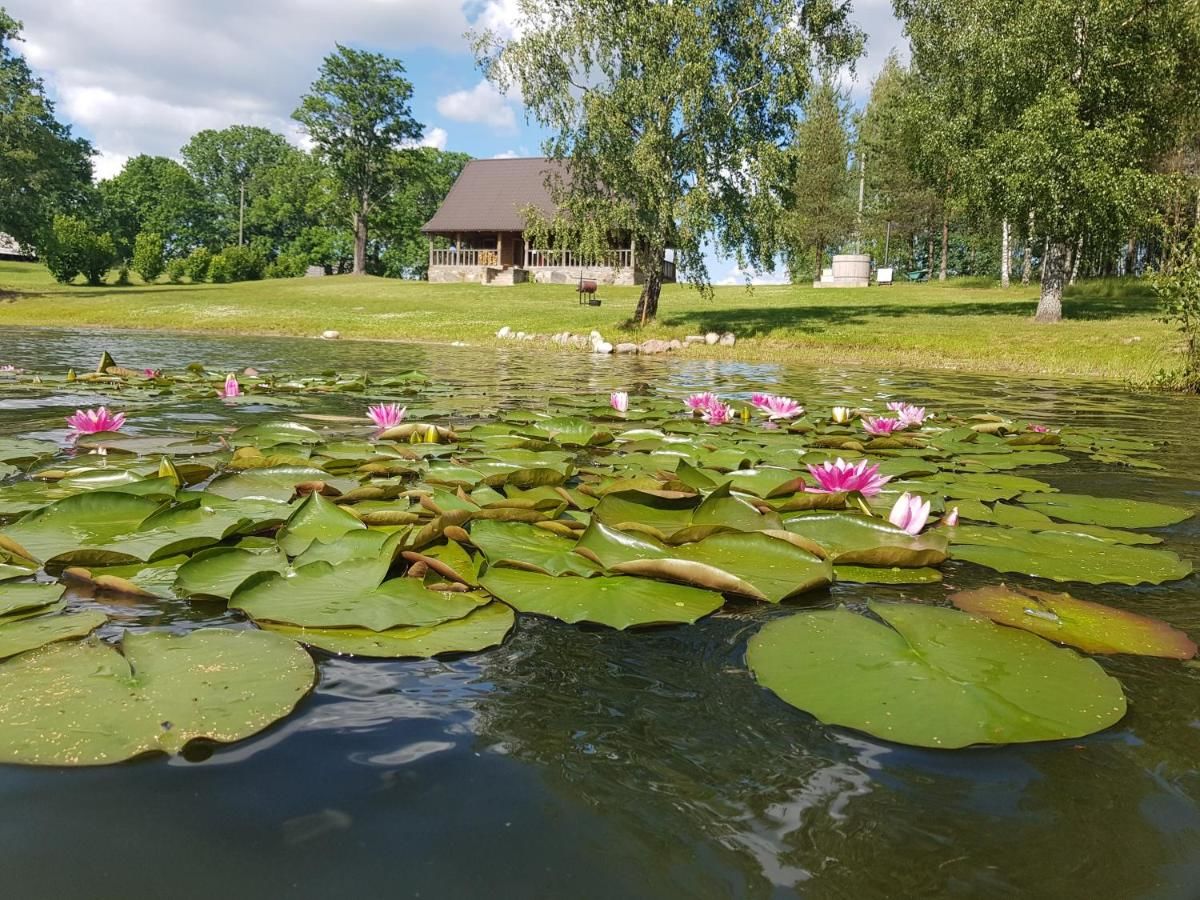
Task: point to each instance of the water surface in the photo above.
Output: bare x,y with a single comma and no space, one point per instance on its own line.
587,763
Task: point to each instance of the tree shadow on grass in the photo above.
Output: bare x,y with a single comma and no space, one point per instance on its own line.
1090,301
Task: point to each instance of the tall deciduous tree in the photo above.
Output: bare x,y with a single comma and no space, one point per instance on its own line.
357,114
153,193
820,208
229,165
425,177
1077,97
672,119
43,169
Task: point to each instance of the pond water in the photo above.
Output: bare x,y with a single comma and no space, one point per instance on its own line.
587,763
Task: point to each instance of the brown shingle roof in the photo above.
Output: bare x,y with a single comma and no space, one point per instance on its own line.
490,194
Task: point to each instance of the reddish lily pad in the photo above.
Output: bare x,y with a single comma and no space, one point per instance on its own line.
1089,626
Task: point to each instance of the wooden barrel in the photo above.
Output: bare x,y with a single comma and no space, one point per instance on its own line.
586,286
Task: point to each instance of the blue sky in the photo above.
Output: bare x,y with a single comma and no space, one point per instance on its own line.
141,76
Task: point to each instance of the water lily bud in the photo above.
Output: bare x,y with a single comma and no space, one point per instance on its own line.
71,376
842,414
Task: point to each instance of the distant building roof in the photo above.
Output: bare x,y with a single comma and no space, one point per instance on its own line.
490,194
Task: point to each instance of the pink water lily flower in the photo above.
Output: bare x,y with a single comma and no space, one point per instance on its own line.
776,407
387,415
880,426
839,476
701,402
8,367
907,415
719,414
152,373
619,400
950,519
1040,429
93,421
910,513
231,388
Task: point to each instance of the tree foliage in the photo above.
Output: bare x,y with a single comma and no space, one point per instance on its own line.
154,193
74,247
357,115
148,258
43,169
672,119
820,207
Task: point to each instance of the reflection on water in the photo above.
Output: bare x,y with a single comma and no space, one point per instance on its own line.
575,762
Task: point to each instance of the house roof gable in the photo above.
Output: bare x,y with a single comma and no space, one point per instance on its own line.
490,194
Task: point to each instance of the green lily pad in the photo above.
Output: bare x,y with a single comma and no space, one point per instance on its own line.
1066,557
880,575
93,520
315,519
348,595
523,546
751,564
27,634
273,482
619,601
485,627
1092,627
87,703
935,678
15,598
852,539
219,571
1112,511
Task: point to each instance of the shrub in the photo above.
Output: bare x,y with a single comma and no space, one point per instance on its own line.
176,270
148,255
219,269
287,265
75,247
123,274
244,263
197,264
1179,294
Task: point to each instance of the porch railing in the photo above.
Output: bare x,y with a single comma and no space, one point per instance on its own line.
569,259
449,257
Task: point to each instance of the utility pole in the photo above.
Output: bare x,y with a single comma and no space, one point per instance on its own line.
241,211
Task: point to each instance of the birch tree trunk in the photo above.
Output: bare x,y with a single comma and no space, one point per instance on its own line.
647,306
945,244
1004,254
1027,262
1054,272
1075,257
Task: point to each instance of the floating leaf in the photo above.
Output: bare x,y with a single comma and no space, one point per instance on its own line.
218,572
28,634
525,546
87,703
348,595
618,602
315,519
1113,511
935,678
15,598
486,627
1089,626
852,539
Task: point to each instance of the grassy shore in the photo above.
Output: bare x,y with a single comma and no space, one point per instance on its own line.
1110,333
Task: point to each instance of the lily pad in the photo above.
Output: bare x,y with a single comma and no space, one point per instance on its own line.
1116,512
935,678
315,519
30,633
852,539
349,595
1066,557
1092,627
15,598
87,703
486,627
523,546
618,601
219,571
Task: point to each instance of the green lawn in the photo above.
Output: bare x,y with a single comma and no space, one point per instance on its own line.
962,324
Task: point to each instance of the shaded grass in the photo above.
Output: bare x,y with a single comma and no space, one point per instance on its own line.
951,325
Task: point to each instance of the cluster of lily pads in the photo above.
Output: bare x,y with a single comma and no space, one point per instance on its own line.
398,535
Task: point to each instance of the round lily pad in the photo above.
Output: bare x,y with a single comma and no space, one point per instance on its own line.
88,703
935,678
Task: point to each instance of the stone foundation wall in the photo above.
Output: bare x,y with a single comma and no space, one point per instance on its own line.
599,274
456,274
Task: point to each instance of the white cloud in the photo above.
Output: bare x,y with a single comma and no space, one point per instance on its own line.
144,75
507,154
436,138
737,276
482,104
499,16
884,34
106,165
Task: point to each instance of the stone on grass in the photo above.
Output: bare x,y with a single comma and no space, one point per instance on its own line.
654,346
504,332
694,339
602,347
330,335
711,338
625,347
728,339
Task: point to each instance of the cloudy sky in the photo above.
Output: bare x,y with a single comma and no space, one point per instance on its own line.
142,76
